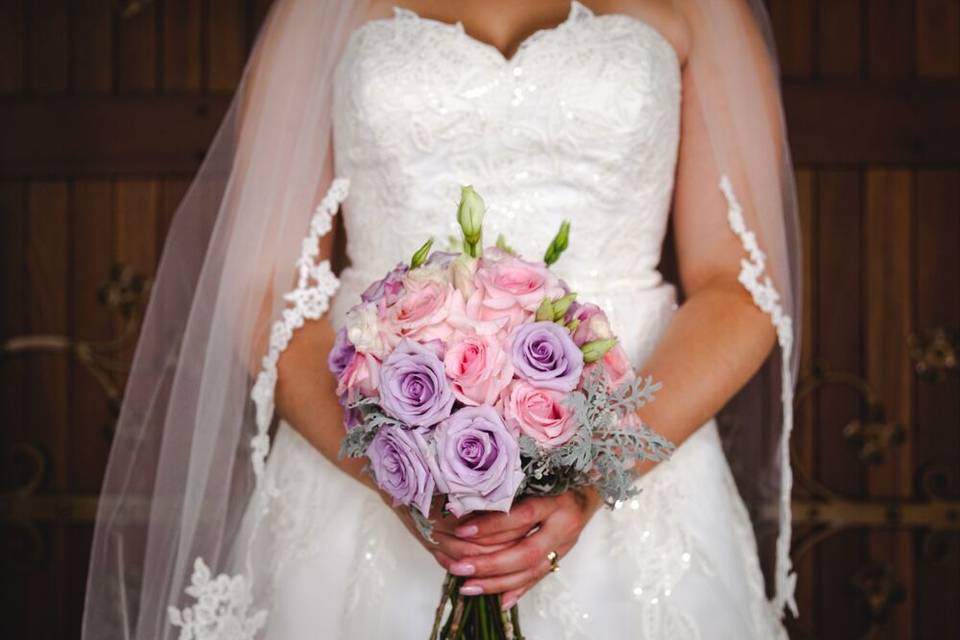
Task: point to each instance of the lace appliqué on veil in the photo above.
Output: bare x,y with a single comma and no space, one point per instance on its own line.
765,295
316,284
222,603
222,608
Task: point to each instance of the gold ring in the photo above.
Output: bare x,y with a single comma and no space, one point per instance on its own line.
554,564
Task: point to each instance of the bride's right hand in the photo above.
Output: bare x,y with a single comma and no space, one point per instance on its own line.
448,548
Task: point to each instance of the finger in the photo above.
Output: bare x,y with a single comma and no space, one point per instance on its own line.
512,581
512,597
524,514
522,556
510,535
442,558
459,549
446,524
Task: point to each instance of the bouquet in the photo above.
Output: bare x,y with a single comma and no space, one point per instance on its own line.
472,378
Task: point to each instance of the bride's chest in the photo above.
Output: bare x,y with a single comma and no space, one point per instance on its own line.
604,85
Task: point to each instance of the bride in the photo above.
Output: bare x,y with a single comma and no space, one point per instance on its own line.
226,513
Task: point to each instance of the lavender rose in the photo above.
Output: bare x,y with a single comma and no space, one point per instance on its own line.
413,386
545,355
400,468
341,354
388,288
352,416
478,461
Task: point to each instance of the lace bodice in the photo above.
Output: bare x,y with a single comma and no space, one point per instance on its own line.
582,123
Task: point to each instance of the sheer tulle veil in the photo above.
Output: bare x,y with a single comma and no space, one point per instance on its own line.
194,425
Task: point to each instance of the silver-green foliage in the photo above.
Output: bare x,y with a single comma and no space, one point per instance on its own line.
606,447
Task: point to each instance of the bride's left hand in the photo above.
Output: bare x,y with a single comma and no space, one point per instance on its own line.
513,571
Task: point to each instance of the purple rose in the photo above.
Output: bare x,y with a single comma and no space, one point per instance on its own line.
413,386
545,355
478,461
388,288
341,354
400,468
352,416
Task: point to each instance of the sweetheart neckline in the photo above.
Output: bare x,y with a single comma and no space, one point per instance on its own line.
577,9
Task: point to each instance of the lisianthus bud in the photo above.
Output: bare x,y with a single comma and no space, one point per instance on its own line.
593,351
421,255
560,306
559,244
470,216
545,311
503,246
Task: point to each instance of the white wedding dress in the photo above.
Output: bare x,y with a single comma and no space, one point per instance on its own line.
582,123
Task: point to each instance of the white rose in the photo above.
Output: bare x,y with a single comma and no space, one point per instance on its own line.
363,330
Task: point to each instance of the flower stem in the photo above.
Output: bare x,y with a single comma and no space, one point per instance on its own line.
444,596
515,618
455,621
507,623
484,619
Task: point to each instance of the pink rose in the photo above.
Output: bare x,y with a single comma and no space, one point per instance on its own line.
513,288
361,376
421,312
617,367
477,367
538,413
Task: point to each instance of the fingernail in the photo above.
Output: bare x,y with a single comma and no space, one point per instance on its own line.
462,569
467,531
508,603
471,590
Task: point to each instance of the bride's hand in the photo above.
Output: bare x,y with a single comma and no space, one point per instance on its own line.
513,570
449,548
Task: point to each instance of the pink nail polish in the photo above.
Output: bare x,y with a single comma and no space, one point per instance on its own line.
471,590
462,569
467,531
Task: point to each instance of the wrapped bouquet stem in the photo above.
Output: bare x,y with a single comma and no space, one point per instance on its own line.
480,378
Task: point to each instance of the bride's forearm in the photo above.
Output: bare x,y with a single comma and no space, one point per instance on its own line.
306,395
715,342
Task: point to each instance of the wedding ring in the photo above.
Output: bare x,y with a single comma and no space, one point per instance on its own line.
554,563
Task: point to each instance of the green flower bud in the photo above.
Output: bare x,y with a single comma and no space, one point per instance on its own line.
593,351
545,311
470,217
559,244
573,325
561,305
503,246
421,255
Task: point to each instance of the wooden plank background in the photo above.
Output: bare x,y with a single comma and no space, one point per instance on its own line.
104,118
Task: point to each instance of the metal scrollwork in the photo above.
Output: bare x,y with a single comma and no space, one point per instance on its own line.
934,353
872,433
130,8
880,589
23,507
125,294
824,513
